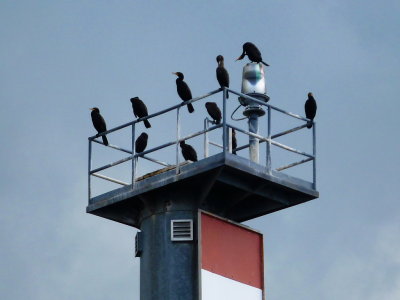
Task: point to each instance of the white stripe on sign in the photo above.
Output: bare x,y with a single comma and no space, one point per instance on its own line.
217,287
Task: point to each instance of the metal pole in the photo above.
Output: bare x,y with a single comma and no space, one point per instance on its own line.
253,141
224,128
269,167
133,154
315,157
177,140
205,138
89,169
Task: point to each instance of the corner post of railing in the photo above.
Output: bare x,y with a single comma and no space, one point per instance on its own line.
177,139
205,138
268,160
315,156
224,127
133,156
89,169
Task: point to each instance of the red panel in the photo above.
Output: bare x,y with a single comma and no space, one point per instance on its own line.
232,251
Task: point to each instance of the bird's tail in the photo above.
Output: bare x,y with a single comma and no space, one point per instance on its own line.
147,123
105,141
227,95
309,124
190,107
264,63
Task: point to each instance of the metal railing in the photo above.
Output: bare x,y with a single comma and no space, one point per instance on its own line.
226,140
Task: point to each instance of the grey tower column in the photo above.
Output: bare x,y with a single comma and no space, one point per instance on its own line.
168,269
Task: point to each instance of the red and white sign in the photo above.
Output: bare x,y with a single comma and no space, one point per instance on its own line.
231,260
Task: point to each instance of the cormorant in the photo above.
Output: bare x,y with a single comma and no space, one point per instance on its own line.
141,142
222,73
99,123
310,108
234,141
188,152
183,90
214,111
140,110
252,53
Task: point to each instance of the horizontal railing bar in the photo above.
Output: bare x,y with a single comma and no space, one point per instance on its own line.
114,147
215,144
111,165
248,133
269,105
156,161
266,140
110,179
288,131
291,149
293,164
243,147
180,140
156,114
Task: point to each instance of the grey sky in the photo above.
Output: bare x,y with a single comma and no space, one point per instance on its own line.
58,58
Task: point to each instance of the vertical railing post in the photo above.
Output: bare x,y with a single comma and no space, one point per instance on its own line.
268,160
89,169
133,156
315,158
177,140
224,128
205,138
230,140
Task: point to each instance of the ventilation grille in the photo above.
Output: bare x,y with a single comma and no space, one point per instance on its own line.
181,230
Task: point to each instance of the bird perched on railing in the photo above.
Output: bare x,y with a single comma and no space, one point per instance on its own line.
183,90
310,108
214,111
140,110
141,142
252,53
99,123
188,152
234,141
222,73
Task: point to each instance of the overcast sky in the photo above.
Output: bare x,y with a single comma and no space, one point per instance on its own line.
59,58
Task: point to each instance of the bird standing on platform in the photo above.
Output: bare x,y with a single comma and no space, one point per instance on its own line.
141,142
140,110
183,90
188,152
214,111
222,73
310,108
99,123
252,53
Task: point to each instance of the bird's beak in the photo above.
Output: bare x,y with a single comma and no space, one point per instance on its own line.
175,73
91,108
240,57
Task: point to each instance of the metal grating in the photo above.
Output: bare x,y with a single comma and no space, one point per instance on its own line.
182,230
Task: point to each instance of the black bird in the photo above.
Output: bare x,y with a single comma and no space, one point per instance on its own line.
222,73
183,90
252,53
140,110
234,141
214,111
188,152
141,142
99,123
310,108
